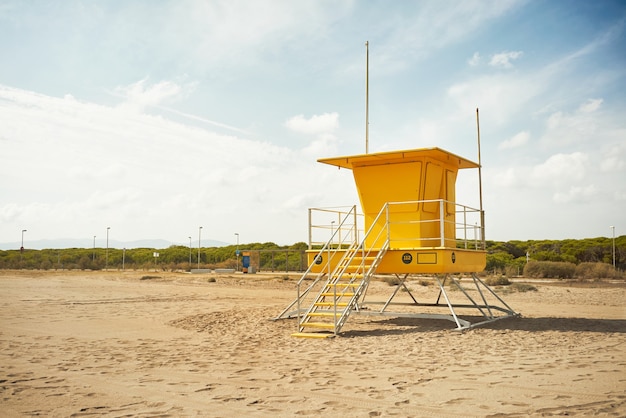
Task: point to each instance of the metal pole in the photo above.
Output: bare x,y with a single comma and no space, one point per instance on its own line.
199,238
367,94
442,241
613,228
356,229
237,252
123,259
22,246
339,215
106,257
480,186
310,231
189,253
93,257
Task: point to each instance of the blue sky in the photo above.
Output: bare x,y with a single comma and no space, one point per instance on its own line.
156,117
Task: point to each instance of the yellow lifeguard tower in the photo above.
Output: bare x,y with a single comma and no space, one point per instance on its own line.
410,224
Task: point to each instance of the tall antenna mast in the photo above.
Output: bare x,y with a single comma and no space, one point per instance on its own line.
367,94
480,185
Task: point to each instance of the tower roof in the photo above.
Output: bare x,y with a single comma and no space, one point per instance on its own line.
397,157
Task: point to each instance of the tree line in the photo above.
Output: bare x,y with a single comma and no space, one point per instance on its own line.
560,257
264,256
503,257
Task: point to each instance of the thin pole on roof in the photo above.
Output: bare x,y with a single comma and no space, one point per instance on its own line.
367,93
480,184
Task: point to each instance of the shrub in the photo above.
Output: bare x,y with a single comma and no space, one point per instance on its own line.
523,287
588,271
550,269
498,281
392,281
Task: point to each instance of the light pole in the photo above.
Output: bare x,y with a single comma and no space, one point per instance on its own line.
237,252
199,238
613,228
106,257
22,246
123,258
93,257
189,253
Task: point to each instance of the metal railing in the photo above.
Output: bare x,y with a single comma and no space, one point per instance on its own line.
445,224
343,225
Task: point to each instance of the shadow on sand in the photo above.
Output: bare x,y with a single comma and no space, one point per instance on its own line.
400,326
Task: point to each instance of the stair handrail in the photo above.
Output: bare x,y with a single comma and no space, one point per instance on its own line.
342,267
326,247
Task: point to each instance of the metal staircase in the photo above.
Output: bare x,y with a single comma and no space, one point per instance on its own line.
345,286
341,294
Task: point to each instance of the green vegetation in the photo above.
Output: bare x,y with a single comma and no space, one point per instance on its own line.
585,259
497,281
523,287
264,256
392,280
590,258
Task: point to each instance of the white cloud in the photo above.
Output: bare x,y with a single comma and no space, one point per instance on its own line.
561,169
556,172
503,59
316,124
576,194
499,95
139,95
590,105
580,126
613,158
90,166
516,141
475,60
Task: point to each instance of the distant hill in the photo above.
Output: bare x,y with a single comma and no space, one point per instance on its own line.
86,243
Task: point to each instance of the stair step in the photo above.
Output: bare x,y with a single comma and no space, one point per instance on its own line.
359,267
322,313
339,304
327,325
331,285
348,276
339,295
312,335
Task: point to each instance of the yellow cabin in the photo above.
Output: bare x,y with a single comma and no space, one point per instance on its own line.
409,197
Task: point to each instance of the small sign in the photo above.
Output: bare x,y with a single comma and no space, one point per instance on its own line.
155,255
407,258
318,259
453,258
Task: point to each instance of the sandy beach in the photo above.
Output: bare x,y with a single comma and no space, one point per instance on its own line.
76,344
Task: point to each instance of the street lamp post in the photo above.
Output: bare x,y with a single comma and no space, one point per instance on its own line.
22,246
237,252
106,257
199,238
189,253
613,228
93,257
